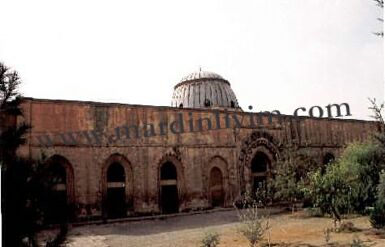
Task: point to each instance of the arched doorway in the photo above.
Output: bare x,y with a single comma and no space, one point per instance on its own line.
57,204
259,168
216,190
328,158
58,197
169,200
116,191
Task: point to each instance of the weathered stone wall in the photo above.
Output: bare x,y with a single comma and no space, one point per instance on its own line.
88,134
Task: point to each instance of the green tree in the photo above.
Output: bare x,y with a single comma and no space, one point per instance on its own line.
329,191
379,135
12,167
350,183
11,136
24,181
380,3
291,175
365,160
377,216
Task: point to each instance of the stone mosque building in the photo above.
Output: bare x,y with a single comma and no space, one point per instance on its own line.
119,160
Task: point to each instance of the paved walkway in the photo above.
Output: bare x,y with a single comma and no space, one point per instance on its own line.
188,230
169,232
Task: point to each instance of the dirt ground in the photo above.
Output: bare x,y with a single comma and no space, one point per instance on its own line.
286,230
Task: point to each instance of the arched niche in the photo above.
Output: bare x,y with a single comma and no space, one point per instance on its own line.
171,184
258,155
216,182
60,197
117,186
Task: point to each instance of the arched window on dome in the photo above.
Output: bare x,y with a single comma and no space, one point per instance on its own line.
232,104
180,105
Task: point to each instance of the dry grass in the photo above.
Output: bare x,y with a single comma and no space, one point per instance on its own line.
286,230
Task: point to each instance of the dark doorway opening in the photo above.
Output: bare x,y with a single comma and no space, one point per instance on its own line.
116,191
327,160
259,166
169,189
56,199
217,194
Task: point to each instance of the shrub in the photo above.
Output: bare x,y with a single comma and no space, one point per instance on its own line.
330,192
349,184
365,161
357,243
381,188
253,226
291,174
60,237
377,216
313,212
347,227
211,239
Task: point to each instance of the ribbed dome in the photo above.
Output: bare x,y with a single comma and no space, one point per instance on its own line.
203,89
201,75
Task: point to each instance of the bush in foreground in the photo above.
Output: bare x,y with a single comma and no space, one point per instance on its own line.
377,216
253,226
350,184
211,239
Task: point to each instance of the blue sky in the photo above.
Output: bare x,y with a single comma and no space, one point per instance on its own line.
279,54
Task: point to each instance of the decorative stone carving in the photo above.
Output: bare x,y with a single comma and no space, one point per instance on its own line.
257,141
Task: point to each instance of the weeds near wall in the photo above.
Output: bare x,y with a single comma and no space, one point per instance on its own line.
253,226
377,216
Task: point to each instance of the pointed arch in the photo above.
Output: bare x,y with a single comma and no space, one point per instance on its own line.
60,198
259,148
117,186
216,182
216,187
171,184
57,162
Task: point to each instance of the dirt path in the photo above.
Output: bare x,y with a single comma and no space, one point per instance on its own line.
188,231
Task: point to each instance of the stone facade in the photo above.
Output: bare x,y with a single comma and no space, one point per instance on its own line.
119,160
194,154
